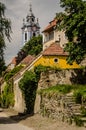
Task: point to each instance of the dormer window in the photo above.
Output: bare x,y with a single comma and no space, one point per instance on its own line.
57,39
51,35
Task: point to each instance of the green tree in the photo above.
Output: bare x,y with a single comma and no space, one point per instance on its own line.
5,30
34,46
73,21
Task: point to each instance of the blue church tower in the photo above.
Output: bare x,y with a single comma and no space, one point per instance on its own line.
30,27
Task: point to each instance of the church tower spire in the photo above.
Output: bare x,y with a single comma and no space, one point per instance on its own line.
30,7
30,26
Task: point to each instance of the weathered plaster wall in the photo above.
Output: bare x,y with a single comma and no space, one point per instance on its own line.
19,100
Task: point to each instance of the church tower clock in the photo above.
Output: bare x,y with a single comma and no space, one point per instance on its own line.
30,27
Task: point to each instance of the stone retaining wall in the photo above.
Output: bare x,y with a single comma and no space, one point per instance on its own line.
54,77
61,107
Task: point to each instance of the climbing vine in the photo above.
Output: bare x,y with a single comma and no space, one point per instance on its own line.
12,72
7,96
28,85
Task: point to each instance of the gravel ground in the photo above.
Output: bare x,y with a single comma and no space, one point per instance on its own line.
37,122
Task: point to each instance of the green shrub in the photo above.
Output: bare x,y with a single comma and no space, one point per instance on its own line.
78,96
80,93
7,97
56,89
12,72
28,85
33,46
40,68
64,88
83,111
78,121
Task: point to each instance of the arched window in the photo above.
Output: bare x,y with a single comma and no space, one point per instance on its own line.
25,36
34,34
32,19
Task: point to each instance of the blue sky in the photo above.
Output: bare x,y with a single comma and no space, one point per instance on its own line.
16,10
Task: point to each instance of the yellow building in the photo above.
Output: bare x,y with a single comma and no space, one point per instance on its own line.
55,57
53,48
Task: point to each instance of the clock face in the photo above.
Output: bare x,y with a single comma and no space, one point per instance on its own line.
34,28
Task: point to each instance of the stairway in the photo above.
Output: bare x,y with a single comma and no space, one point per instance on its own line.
73,109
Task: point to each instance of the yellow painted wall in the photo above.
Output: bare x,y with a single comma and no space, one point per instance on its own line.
49,61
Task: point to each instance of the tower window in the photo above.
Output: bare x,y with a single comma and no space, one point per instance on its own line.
32,19
25,36
34,34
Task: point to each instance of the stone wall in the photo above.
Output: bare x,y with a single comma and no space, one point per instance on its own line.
49,79
83,63
60,107
54,77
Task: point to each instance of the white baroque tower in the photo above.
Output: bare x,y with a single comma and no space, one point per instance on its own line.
30,27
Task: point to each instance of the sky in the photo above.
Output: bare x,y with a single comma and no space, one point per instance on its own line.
16,10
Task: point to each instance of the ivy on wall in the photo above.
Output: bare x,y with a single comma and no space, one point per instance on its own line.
12,72
7,96
28,85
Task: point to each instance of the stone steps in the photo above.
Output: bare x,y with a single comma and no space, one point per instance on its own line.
73,108
69,99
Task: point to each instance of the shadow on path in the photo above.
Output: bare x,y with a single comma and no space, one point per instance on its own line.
6,118
20,117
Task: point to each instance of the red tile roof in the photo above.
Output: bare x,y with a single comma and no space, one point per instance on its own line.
28,59
50,26
14,61
54,49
